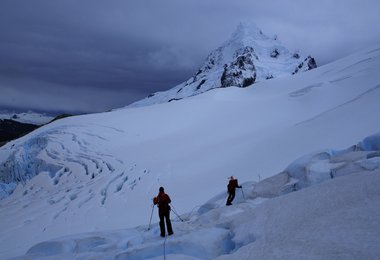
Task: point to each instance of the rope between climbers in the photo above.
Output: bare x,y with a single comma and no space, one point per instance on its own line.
165,248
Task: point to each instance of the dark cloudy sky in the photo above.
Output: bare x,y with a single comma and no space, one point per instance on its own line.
94,55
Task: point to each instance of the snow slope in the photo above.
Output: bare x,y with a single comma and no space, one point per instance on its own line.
335,216
248,57
100,171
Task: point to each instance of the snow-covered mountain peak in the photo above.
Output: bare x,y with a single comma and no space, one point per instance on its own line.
247,57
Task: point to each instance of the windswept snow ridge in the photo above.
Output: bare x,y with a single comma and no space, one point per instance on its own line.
336,215
100,172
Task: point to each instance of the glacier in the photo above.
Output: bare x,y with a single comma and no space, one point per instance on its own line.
334,217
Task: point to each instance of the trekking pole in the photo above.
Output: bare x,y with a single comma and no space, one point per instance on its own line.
242,192
174,211
151,215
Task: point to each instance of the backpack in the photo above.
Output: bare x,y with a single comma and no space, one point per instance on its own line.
163,201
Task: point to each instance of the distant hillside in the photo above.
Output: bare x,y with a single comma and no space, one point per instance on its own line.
10,130
17,126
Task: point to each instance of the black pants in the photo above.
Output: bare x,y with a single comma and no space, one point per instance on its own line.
165,215
231,196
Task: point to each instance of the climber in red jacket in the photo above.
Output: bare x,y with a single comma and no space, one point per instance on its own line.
163,201
232,185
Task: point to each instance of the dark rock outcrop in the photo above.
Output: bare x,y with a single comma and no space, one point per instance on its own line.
274,53
311,63
241,72
308,64
10,130
60,117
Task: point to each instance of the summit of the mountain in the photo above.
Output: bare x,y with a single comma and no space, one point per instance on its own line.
247,57
246,32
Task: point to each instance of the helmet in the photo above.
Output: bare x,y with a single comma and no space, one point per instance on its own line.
161,189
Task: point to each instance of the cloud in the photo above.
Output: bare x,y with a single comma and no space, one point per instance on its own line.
42,96
132,48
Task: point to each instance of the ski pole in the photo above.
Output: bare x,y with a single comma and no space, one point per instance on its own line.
174,211
151,215
242,192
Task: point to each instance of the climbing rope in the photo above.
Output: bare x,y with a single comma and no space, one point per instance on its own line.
165,248
192,212
175,212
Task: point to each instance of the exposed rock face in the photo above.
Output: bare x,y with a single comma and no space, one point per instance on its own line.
311,64
296,56
274,53
308,64
241,72
249,56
